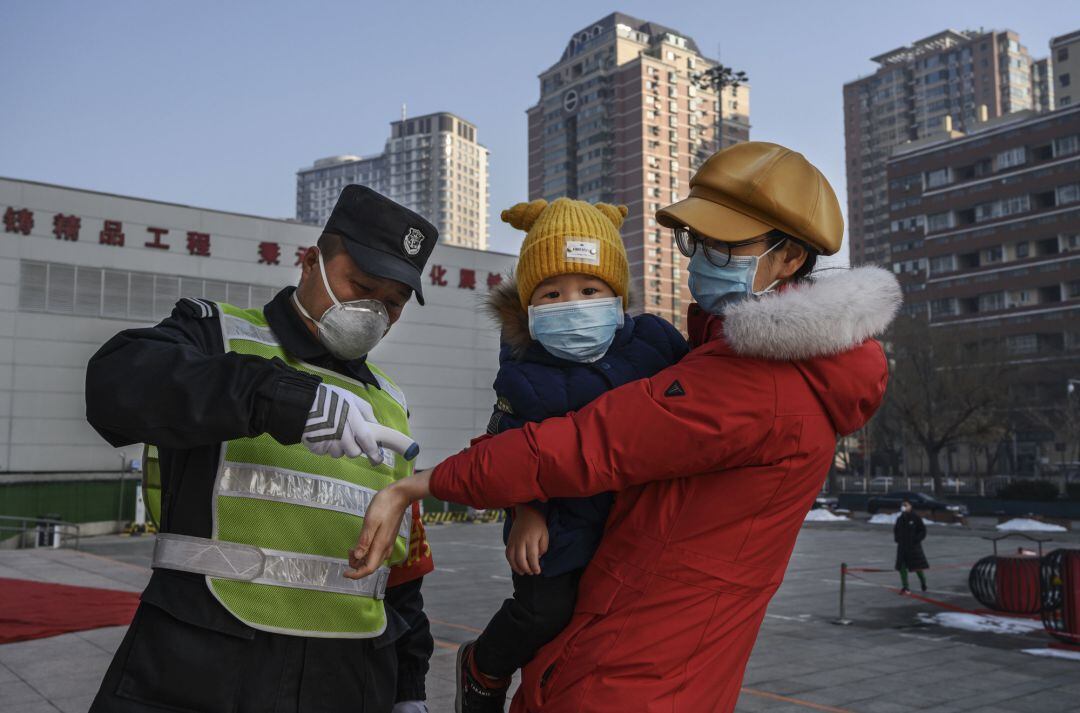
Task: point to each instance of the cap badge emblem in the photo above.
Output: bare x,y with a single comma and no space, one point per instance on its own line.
413,240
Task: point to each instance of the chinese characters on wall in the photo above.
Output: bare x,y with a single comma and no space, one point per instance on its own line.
20,221
466,278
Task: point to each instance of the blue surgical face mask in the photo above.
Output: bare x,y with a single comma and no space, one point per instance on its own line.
714,287
578,331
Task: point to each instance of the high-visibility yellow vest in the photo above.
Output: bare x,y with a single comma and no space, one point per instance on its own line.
285,519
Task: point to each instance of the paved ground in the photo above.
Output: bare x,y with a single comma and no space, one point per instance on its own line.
889,659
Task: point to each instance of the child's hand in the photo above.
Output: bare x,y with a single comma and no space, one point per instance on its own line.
528,540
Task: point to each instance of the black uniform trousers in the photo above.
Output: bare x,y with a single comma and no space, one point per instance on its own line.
176,657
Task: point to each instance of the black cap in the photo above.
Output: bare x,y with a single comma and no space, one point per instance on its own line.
383,238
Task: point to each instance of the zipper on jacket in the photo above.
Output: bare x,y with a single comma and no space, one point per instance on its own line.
546,675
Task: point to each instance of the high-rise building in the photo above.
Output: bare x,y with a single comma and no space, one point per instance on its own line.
622,119
317,188
1065,57
948,81
431,164
986,230
986,244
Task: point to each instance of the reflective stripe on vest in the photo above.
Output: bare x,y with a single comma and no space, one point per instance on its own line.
290,486
284,519
244,563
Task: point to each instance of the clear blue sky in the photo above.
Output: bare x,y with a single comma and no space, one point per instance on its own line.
218,104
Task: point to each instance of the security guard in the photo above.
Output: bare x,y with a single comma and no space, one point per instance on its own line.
274,431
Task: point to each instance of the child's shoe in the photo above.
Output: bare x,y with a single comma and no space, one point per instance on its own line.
477,693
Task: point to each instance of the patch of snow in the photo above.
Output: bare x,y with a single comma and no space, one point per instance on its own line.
1054,653
977,622
823,515
1024,524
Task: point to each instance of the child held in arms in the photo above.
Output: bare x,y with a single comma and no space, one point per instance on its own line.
566,340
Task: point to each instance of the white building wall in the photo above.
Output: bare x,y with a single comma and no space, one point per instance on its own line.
444,355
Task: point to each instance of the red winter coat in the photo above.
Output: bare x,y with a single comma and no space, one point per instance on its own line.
716,461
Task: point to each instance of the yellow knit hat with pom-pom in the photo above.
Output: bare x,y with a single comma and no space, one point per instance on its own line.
568,236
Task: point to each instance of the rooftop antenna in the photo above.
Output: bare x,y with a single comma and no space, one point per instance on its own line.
404,113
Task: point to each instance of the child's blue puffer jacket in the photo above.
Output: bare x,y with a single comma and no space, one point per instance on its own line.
533,385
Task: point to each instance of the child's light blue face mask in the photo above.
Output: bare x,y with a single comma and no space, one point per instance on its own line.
578,331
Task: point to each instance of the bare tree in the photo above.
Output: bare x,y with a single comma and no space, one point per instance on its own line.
1061,417
889,436
987,442
944,392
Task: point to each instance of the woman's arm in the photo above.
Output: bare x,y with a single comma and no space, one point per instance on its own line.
646,430
717,417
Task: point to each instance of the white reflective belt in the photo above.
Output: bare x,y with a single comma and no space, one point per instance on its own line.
229,560
290,486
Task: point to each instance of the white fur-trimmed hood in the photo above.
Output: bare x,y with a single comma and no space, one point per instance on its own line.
828,315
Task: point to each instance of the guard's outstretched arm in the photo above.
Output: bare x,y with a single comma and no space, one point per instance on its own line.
172,385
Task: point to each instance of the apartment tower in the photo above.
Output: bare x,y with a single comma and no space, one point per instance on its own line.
945,82
431,164
623,118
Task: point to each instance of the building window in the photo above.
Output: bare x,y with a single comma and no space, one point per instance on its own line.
942,264
1010,158
943,308
121,294
1002,208
992,302
1062,54
992,255
940,177
1064,79
1068,194
1066,145
939,221
1022,343
1022,250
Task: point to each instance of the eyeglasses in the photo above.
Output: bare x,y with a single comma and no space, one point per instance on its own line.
716,252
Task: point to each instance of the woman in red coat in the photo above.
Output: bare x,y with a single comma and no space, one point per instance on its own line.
715,460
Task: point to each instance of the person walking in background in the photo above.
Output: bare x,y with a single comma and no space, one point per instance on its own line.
908,533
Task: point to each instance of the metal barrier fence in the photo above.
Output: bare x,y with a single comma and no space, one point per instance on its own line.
959,485
43,531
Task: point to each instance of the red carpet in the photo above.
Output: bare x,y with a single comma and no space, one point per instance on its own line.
35,610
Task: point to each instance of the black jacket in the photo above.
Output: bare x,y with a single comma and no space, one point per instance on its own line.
533,385
173,386
908,533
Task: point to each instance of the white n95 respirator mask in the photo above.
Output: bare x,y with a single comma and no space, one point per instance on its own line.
348,330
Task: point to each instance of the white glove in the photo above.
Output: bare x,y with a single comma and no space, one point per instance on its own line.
341,423
410,707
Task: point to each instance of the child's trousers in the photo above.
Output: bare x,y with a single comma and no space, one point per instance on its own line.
541,608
